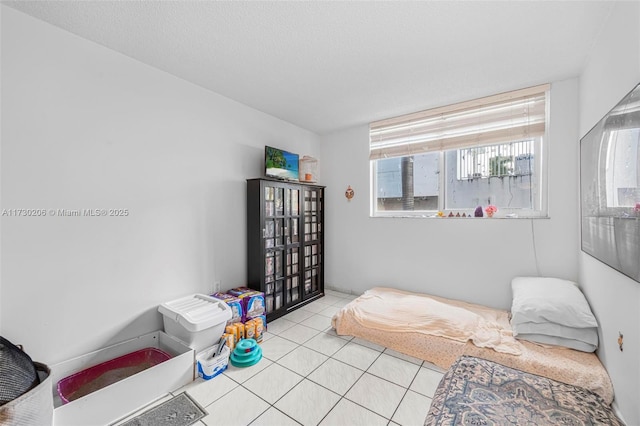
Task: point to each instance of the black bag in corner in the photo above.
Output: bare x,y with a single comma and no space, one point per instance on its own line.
18,373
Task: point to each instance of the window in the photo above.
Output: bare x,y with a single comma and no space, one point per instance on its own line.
455,158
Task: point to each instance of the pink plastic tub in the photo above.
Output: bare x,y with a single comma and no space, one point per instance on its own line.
109,372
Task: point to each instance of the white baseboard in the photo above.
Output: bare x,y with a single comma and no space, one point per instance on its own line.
616,410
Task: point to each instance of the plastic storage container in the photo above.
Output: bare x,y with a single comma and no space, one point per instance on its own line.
197,320
209,366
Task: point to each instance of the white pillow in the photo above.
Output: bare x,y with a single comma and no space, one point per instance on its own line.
558,341
587,335
553,300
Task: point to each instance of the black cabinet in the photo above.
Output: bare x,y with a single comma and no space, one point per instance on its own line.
285,243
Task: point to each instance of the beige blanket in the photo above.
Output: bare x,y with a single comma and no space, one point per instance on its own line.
400,311
359,318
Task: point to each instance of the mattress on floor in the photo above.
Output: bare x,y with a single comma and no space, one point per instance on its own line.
360,318
481,392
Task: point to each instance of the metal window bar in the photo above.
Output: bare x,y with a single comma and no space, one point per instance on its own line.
509,159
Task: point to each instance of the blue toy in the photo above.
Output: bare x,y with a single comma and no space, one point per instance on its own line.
246,353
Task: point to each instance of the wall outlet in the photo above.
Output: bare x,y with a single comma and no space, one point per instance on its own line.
216,286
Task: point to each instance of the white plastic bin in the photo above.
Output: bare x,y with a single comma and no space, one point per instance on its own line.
197,320
208,365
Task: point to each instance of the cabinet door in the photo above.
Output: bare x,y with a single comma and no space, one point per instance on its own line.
292,289
274,245
313,246
292,293
274,280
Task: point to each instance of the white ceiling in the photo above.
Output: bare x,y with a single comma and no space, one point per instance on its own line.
329,65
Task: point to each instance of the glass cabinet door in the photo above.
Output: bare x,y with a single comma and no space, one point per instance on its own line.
312,213
279,201
269,205
274,278
292,293
295,194
312,237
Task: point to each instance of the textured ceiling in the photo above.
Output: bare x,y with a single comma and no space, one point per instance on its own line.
326,65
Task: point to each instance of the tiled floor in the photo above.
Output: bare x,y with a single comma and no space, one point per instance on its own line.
311,376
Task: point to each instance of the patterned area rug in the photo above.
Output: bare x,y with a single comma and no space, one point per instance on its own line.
178,411
475,391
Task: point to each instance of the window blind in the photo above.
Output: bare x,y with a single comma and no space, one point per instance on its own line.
506,117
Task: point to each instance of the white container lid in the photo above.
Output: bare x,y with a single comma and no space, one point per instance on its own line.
197,312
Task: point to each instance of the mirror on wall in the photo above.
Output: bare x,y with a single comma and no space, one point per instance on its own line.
610,187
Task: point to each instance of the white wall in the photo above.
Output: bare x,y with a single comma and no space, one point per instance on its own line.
611,72
85,127
472,259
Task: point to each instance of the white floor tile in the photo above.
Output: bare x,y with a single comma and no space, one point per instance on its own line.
317,322
272,382
376,394
412,410
299,333
277,347
242,374
368,344
307,403
325,343
279,325
204,392
302,360
341,303
266,336
298,315
336,376
330,300
400,355
315,307
329,311
356,355
426,382
229,411
332,332
352,296
394,369
274,417
348,413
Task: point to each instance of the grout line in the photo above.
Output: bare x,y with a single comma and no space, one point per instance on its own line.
406,391
280,411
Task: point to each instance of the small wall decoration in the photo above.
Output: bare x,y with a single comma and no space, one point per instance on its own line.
620,340
349,193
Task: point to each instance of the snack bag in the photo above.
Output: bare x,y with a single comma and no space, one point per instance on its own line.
233,331
249,329
237,312
240,328
230,340
259,329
